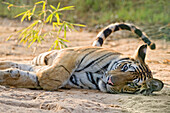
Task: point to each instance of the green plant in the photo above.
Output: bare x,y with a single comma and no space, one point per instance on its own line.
44,14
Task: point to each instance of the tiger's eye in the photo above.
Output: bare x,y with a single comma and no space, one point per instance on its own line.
125,68
136,62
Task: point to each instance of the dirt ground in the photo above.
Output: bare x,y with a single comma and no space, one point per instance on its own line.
20,100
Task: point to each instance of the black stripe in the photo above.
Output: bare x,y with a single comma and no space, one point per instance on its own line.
146,40
143,73
85,57
90,78
138,78
124,27
107,32
97,80
100,40
38,83
106,55
142,91
93,81
103,69
81,87
101,57
82,83
138,70
139,74
65,69
123,59
150,74
146,67
116,28
36,61
73,80
30,69
135,77
138,32
16,65
46,60
123,67
87,74
134,68
89,87
114,64
146,70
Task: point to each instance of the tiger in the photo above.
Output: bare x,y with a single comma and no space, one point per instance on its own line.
88,67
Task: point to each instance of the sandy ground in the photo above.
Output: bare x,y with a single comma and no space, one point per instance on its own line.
20,100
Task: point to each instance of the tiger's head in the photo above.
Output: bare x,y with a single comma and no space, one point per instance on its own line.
130,75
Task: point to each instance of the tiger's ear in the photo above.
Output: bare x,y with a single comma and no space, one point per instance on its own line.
141,53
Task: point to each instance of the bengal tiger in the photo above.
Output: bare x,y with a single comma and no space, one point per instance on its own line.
89,67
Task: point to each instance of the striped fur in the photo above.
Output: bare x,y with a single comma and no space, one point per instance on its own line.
121,26
86,67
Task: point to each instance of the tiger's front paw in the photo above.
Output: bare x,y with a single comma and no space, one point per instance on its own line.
8,76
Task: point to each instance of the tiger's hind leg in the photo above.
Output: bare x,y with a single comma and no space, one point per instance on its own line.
6,65
53,77
57,75
18,78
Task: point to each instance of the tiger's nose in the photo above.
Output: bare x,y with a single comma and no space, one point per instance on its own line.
109,81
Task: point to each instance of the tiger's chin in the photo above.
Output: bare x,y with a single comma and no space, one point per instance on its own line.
102,86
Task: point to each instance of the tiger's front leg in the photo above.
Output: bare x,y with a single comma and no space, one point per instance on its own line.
7,65
18,78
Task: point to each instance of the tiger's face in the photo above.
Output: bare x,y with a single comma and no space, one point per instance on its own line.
131,75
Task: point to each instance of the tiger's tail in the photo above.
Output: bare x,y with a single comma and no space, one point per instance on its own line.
121,26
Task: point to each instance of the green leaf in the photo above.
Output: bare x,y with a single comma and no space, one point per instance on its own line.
60,28
80,25
23,17
55,24
58,18
9,37
71,27
66,8
44,36
49,18
44,4
64,40
6,3
41,13
23,38
29,15
32,42
10,6
56,44
62,43
20,14
39,2
33,10
58,6
33,24
38,39
53,7
65,30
